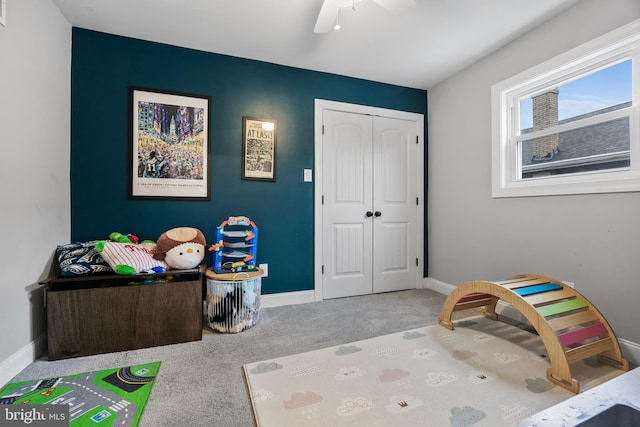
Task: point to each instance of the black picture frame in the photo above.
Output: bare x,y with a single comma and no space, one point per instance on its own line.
169,145
259,147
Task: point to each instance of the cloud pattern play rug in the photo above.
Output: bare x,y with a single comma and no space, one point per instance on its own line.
108,397
483,373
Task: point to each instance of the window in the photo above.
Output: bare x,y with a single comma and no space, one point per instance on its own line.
572,124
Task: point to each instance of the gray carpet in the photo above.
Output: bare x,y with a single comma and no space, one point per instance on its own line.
201,383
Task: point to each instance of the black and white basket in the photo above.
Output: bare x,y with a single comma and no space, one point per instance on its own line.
233,305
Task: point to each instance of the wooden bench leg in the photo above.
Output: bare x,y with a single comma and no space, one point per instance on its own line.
489,311
570,384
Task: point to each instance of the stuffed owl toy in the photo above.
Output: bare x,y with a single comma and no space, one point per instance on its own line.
181,248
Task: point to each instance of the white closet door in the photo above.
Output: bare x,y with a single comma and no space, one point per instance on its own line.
347,231
395,204
369,206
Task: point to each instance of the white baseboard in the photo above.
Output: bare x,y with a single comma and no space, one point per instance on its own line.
630,350
22,358
438,286
287,298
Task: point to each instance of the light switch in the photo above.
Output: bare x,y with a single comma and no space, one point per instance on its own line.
308,175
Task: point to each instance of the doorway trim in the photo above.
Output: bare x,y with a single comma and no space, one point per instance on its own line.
319,106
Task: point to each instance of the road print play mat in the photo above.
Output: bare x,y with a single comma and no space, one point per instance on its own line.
107,397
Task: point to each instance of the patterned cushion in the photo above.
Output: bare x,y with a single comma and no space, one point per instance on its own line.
80,258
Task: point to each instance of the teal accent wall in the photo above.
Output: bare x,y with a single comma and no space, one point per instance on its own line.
103,68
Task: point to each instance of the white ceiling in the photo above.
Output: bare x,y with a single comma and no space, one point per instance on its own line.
417,49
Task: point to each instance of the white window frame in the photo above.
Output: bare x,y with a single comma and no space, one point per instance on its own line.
612,48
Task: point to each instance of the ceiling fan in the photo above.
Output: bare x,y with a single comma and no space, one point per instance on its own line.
328,16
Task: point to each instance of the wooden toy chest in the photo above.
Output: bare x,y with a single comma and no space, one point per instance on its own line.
97,314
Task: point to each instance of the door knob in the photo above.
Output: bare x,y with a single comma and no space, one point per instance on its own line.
378,213
369,214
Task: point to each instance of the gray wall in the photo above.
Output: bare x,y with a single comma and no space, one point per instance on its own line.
35,82
591,240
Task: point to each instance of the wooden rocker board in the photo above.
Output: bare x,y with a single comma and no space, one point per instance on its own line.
570,327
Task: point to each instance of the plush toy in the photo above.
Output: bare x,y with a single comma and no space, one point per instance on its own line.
181,248
124,238
130,258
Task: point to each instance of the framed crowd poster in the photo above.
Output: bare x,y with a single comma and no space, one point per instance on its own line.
169,145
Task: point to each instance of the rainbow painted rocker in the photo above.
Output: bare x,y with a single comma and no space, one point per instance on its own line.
570,327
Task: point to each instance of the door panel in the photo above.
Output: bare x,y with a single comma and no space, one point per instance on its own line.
347,234
394,231
348,256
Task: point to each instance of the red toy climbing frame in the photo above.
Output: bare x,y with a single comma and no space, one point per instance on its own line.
570,327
